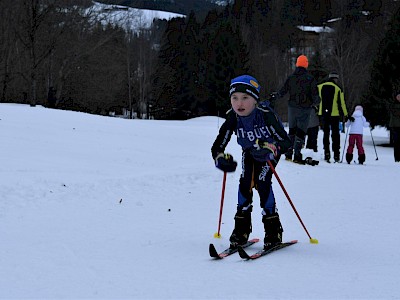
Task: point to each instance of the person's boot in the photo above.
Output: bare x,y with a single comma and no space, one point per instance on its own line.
327,156
336,156
273,230
298,159
349,157
298,144
361,159
289,153
242,230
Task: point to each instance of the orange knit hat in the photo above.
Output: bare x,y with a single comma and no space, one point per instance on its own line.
302,61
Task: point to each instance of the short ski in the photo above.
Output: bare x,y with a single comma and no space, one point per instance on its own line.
243,254
229,251
307,161
311,162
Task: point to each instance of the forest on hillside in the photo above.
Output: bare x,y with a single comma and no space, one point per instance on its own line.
65,55
181,6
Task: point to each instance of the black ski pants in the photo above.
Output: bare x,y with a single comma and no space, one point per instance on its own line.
256,175
312,138
396,143
331,124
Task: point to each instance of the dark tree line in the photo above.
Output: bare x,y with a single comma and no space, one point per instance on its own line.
65,55
69,50
385,74
263,38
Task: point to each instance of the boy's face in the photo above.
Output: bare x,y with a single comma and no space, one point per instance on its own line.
243,104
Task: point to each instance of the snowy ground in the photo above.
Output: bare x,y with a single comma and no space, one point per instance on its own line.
100,207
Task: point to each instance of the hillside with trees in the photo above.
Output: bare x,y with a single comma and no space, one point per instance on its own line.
181,7
71,57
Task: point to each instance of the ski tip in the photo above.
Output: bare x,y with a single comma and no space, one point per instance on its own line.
213,252
211,249
256,240
242,253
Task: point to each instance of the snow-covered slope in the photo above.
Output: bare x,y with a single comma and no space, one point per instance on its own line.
127,17
106,208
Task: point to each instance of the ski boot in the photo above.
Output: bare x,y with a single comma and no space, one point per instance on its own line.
327,157
361,159
298,159
336,157
273,230
289,154
242,230
298,144
349,157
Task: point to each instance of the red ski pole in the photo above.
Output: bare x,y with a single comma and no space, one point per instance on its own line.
313,241
217,234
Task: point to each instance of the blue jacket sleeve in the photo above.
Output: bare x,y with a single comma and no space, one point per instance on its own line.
224,135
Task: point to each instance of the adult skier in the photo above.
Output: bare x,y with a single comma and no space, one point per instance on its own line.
303,98
332,110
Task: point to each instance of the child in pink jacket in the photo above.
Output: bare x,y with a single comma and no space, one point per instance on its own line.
356,122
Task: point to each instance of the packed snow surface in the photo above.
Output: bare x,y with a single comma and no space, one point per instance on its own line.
102,207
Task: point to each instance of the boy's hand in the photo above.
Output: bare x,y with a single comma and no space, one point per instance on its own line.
264,151
225,162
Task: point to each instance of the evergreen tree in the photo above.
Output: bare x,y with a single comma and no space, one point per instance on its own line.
227,58
317,12
292,15
385,75
293,12
165,80
373,7
189,71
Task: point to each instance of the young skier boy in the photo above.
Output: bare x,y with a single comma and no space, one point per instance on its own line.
356,123
262,138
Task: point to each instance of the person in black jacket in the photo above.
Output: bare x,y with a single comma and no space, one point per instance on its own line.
303,98
394,125
262,138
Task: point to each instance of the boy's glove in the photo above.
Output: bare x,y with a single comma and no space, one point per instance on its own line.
351,118
272,99
264,151
225,162
273,96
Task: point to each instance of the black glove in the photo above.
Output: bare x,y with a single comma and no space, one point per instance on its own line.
315,108
272,99
264,151
273,96
225,162
351,118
